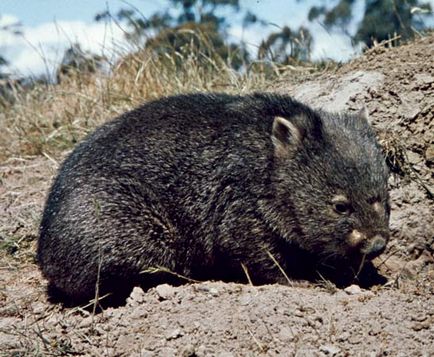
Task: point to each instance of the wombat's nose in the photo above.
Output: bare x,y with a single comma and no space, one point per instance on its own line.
375,247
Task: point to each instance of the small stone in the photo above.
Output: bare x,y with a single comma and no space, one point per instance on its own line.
344,336
173,334
330,350
138,313
353,290
394,264
110,312
202,351
109,351
413,157
355,339
419,317
298,313
137,296
125,342
414,267
86,322
214,292
245,299
38,307
146,353
366,295
424,78
225,354
286,334
166,352
188,351
375,329
165,291
429,154
418,326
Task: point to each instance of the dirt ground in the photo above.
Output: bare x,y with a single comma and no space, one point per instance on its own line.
219,319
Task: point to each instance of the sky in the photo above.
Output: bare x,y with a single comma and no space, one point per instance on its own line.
51,26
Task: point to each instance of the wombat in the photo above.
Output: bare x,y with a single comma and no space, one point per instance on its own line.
214,186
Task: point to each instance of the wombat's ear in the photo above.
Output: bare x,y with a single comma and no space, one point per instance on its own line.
286,136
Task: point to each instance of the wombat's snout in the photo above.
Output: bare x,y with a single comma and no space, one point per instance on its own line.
371,247
374,247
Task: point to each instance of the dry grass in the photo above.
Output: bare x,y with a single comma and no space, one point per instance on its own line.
51,118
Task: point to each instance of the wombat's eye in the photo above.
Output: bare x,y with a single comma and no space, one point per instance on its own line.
374,199
341,204
342,207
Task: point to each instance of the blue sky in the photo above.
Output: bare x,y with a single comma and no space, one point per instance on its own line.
50,26
34,12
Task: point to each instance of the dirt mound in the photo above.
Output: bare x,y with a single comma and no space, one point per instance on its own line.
217,319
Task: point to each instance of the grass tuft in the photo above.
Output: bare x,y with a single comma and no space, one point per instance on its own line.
51,118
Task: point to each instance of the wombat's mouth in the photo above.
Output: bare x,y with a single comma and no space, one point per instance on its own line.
341,268
355,257
355,268
374,247
367,248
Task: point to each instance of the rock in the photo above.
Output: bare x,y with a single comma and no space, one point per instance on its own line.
375,329
167,352
414,267
355,339
418,326
38,307
145,353
165,291
125,342
353,290
245,299
334,94
344,336
225,354
423,78
188,351
419,317
174,334
413,158
214,292
394,265
429,154
203,351
286,334
208,289
330,350
410,106
86,322
138,312
137,296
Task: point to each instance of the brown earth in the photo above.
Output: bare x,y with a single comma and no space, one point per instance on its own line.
217,319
